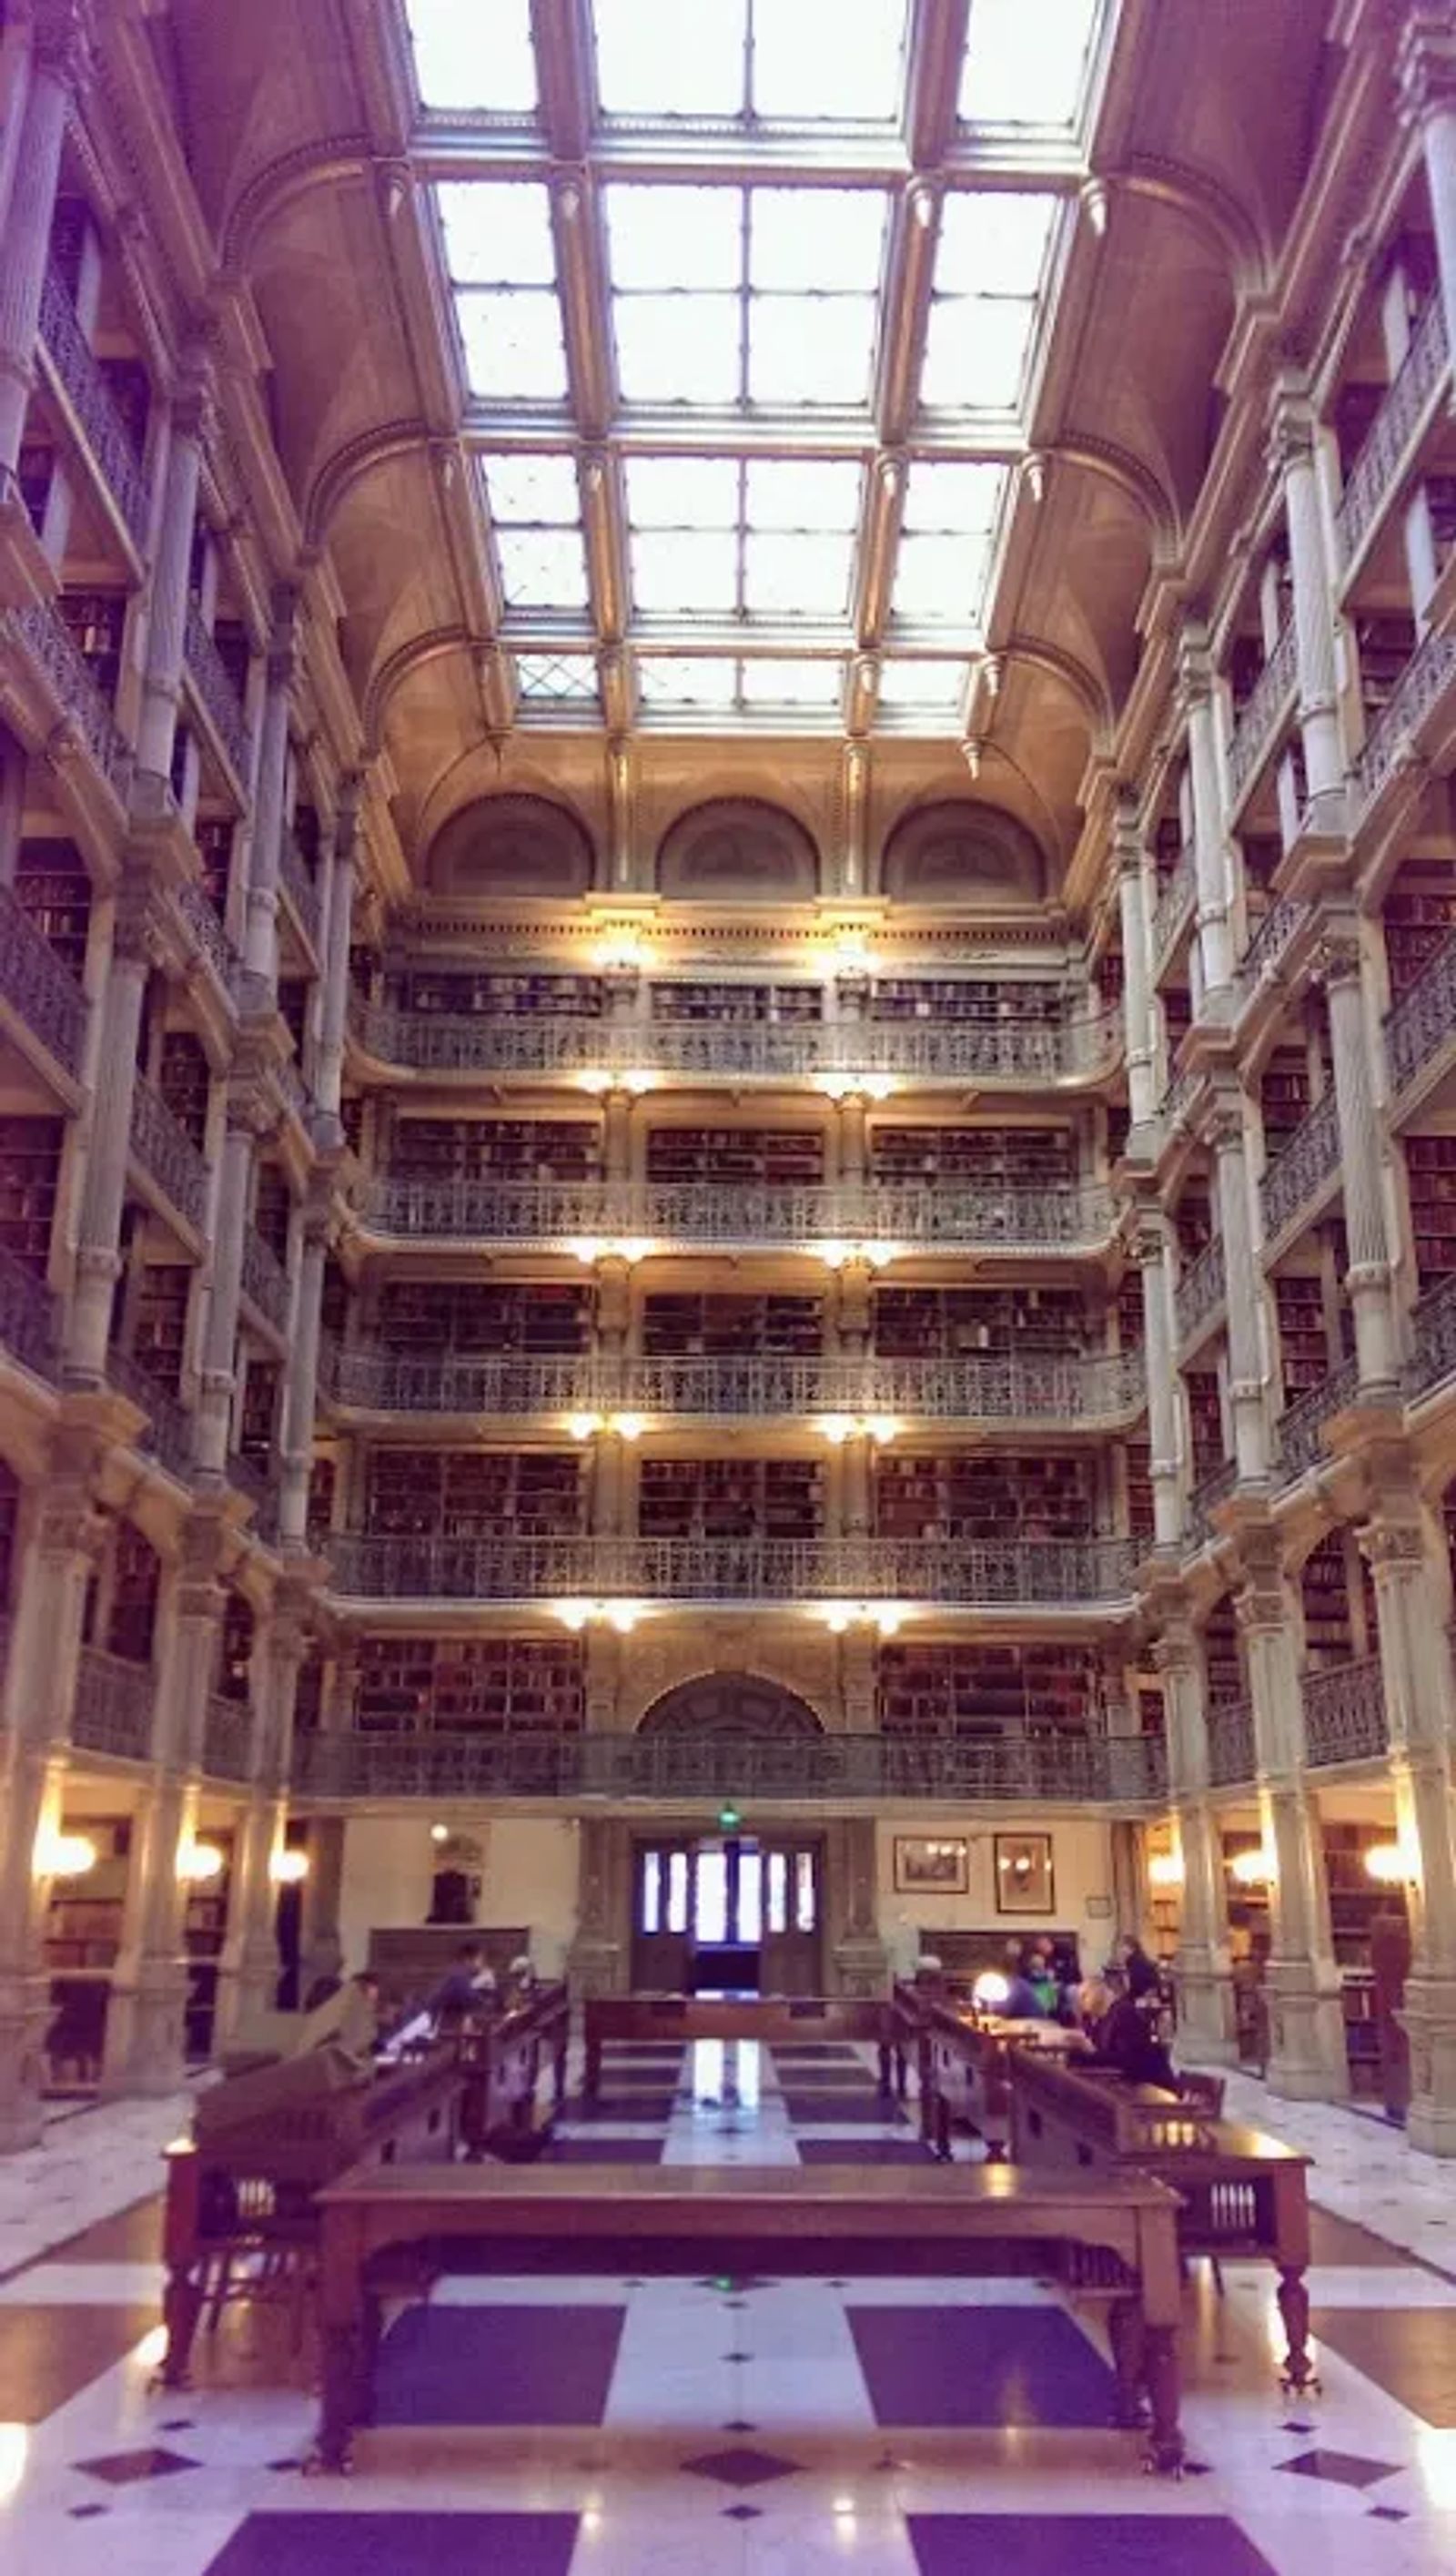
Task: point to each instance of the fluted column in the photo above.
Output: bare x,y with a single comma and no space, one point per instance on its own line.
260,951
57,55
1368,1279
1428,89
1137,982
856,1948
1206,2019
333,1014
167,624
1292,454
1242,1291
1420,1717
1150,1251
301,1384
1210,840
1307,2060
249,1115
135,945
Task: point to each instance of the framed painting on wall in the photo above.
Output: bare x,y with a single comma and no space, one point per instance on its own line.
925,1866
1024,1880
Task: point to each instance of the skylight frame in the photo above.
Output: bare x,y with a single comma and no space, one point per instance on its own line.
749,84
543,521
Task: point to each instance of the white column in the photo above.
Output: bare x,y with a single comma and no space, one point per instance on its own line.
260,951
167,629
1292,453
1150,1251
1242,1292
1368,1277
98,1262
56,62
301,1385
249,1111
1137,981
1422,563
328,1082
1428,89
1210,839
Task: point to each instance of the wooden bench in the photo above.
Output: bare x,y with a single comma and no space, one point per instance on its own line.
1241,2193
768,2018
1115,2233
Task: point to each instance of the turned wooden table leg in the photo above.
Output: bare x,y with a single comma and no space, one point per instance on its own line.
339,2399
1160,2367
1298,2372
181,2308
1125,2332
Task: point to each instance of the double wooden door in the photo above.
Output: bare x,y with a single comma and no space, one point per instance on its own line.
736,1910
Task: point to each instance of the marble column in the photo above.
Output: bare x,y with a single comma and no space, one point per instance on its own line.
851,1899
599,1962
1292,457
1210,839
57,57
1206,2020
248,1968
1243,1292
249,1115
1151,1252
1137,984
1420,1716
171,576
1307,2060
1368,1279
260,948
135,947
334,1009
39,1691
1427,62
301,1382
321,1951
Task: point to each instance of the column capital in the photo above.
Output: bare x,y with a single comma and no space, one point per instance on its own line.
1148,1237
140,936
1176,1650
1223,1126
1194,666
1261,1599
1129,838
71,1523
1336,958
1292,422
1392,1546
1426,62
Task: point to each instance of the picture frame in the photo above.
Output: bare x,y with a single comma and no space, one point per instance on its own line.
932,1865
1024,1877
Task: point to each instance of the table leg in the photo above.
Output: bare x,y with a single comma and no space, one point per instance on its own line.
885,2082
1125,2332
339,2401
1165,2440
591,2073
181,2308
1298,2372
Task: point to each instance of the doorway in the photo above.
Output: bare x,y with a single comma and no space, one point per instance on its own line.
741,1913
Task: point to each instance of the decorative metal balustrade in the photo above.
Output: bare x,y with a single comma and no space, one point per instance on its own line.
264,1280
1393,738
1423,1021
1376,472
1041,1387
168,1430
246,1477
39,632
572,1212
1049,1571
300,889
1174,909
227,1739
200,918
167,1155
216,693
1297,1175
1297,1432
35,985
1271,943
1230,1743
89,400
1201,1290
1045,1771
1009,1050
1270,698
1344,1714
1207,1494
1434,1322
113,1706
1179,1094
293,1087
29,1319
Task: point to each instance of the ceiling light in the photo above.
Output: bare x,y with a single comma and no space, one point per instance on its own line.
1253,1868
587,1249
1391,1865
199,1862
439,1834
629,1426
584,1426
1165,1869
883,1428
836,1428
64,1855
594,1081
288,1867
622,1615
573,1615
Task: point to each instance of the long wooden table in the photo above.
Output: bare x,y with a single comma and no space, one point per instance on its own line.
781,2018
1241,2193
1117,2234
965,2073
501,2062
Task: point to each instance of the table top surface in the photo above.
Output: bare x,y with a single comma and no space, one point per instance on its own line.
926,2191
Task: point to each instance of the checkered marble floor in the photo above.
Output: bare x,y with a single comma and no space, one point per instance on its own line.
613,2427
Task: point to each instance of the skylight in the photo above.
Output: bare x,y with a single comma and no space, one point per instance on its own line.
742,537
536,515
945,542
989,267
1026,61
676,684
502,264
926,688
558,679
456,68
791,61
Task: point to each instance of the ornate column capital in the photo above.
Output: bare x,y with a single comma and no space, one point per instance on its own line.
1392,1547
1129,840
1336,958
1148,1238
140,935
1261,1600
1292,422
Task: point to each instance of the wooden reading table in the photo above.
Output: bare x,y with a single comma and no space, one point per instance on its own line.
783,2018
965,2072
1116,2232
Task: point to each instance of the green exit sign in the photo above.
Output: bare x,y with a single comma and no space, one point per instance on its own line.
729,1818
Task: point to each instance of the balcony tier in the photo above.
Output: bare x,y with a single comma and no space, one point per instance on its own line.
36,989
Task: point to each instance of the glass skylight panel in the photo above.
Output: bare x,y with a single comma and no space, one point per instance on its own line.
802,492
810,349
941,579
1026,61
679,348
458,63
535,514
776,681
497,232
539,488
687,680
564,679
957,499
695,571
514,351
675,237
816,59
671,57
682,491
993,242
502,262
922,688
796,575
828,240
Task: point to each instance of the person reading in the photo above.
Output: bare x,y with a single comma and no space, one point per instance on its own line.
466,1989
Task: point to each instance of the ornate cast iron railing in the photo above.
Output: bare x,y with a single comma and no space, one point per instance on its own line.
1344,1713
300,889
113,1706
200,918
227,1739
1175,906
1435,1338
265,1281
1298,1429
218,697
1307,1162
169,1424
37,987
1201,1289
1272,692
167,1154
1230,1743
1372,478
1424,1019
43,635
1427,676
569,1212
1207,1494
92,407
29,1318
1271,942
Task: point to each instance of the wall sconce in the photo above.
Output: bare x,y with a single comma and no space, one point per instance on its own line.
887,1617
1165,1869
627,1426
288,1866
595,1082
619,954
836,1428
876,1256
585,1426
623,1616
1391,1865
638,1080
61,1855
198,1863
1251,1868
439,1834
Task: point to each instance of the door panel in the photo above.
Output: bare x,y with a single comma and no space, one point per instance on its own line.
662,1900
793,1917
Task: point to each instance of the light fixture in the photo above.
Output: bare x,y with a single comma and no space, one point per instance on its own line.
439,1833
836,1428
629,1426
62,1855
594,1081
587,1249
14,2444
991,1990
1165,1869
852,954
573,1615
578,1615
584,1426
836,1618
288,1867
877,1086
639,1079
1251,1868
891,1619
882,1428
620,953
1390,1864
621,1615
197,1863
836,1256
632,1248
837,1086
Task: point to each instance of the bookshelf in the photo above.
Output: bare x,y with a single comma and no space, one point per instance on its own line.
735,1156
1139,1489
973,999
986,1494
1324,1590
736,1005
728,1326
273,1209
470,1686
54,892
215,849
497,1149
184,1079
474,1493
1131,1317
1299,1303
136,1576
973,1691
204,1931
30,1168
1284,1095
752,1498
1418,916
953,1323
1223,1661
992,1157
418,1316
1384,645
234,1648
95,620
453,992
1430,1163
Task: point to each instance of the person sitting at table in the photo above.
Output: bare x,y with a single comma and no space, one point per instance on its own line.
467,1988
1023,2002
1122,2034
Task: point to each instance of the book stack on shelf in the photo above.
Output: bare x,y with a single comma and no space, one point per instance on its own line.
95,620
184,1079
474,1686
749,1498
53,890
497,1149
730,1327
1131,1313
449,991
1284,1096
30,1170
1140,1523
1017,1158
1384,644
420,1316
977,1692
215,849
1430,1163
792,1157
955,1323
1418,917
322,1480
1299,1303
965,998
737,1005
1325,1591
1205,1421
985,1495
1223,1654
474,1493
135,1588
161,1297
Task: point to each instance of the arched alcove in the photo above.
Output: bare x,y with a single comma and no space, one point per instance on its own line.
961,851
511,845
738,848
726,1706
